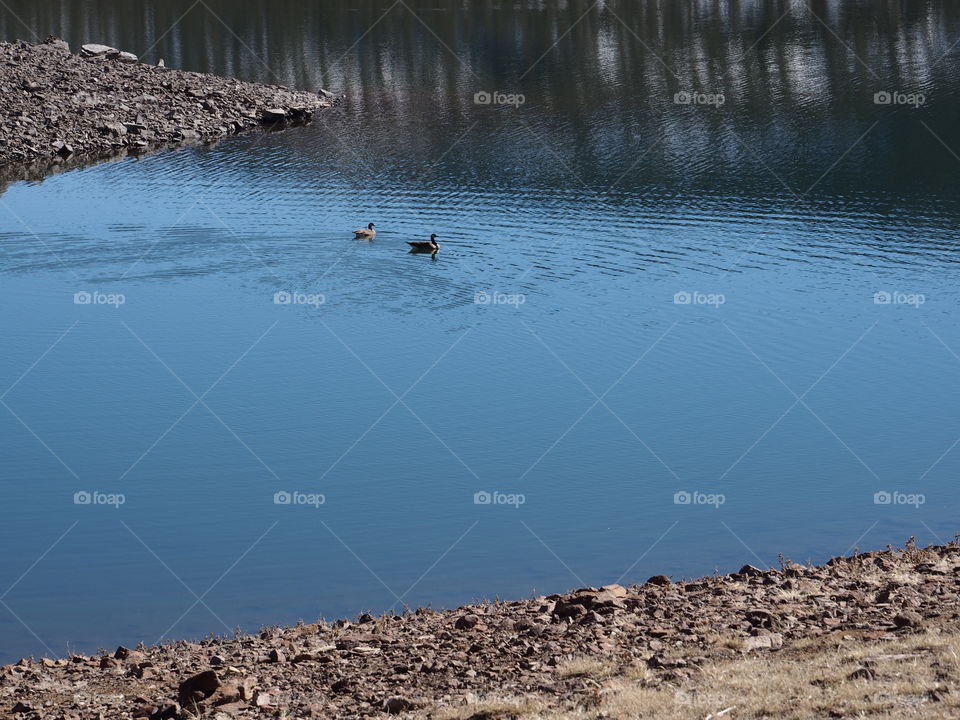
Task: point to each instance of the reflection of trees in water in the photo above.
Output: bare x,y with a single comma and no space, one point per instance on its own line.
701,43
792,84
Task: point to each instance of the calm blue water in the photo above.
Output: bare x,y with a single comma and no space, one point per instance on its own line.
545,352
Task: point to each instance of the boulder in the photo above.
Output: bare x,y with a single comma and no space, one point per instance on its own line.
273,115
658,580
198,688
466,622
95,50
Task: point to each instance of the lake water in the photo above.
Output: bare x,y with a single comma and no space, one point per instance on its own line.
695,306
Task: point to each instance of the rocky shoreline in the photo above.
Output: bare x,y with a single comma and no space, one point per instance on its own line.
564,651
67,108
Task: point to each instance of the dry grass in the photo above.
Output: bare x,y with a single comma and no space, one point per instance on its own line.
585,667
493,709
911,676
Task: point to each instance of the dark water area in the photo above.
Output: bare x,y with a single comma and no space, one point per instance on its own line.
695,306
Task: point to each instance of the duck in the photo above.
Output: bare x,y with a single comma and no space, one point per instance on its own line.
431,246
368,232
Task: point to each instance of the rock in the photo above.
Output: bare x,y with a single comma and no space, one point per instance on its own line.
750,571
772,641
127,57
167,711
299,113
95,50
122,653
466,622
325,94
908,619
227,693
618,591
277,656
659,580
396,705
566,608
56,43
195,689
270,115
248,688
21,707
762,619
62,148
113,128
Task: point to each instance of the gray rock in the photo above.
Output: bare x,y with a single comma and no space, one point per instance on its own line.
95,50
273,114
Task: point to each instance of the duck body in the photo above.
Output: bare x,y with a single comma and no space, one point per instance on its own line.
367,233
430,246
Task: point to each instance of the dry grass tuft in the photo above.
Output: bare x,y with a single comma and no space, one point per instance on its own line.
585,667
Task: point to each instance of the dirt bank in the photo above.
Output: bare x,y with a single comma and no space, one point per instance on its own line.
65,107
579,654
